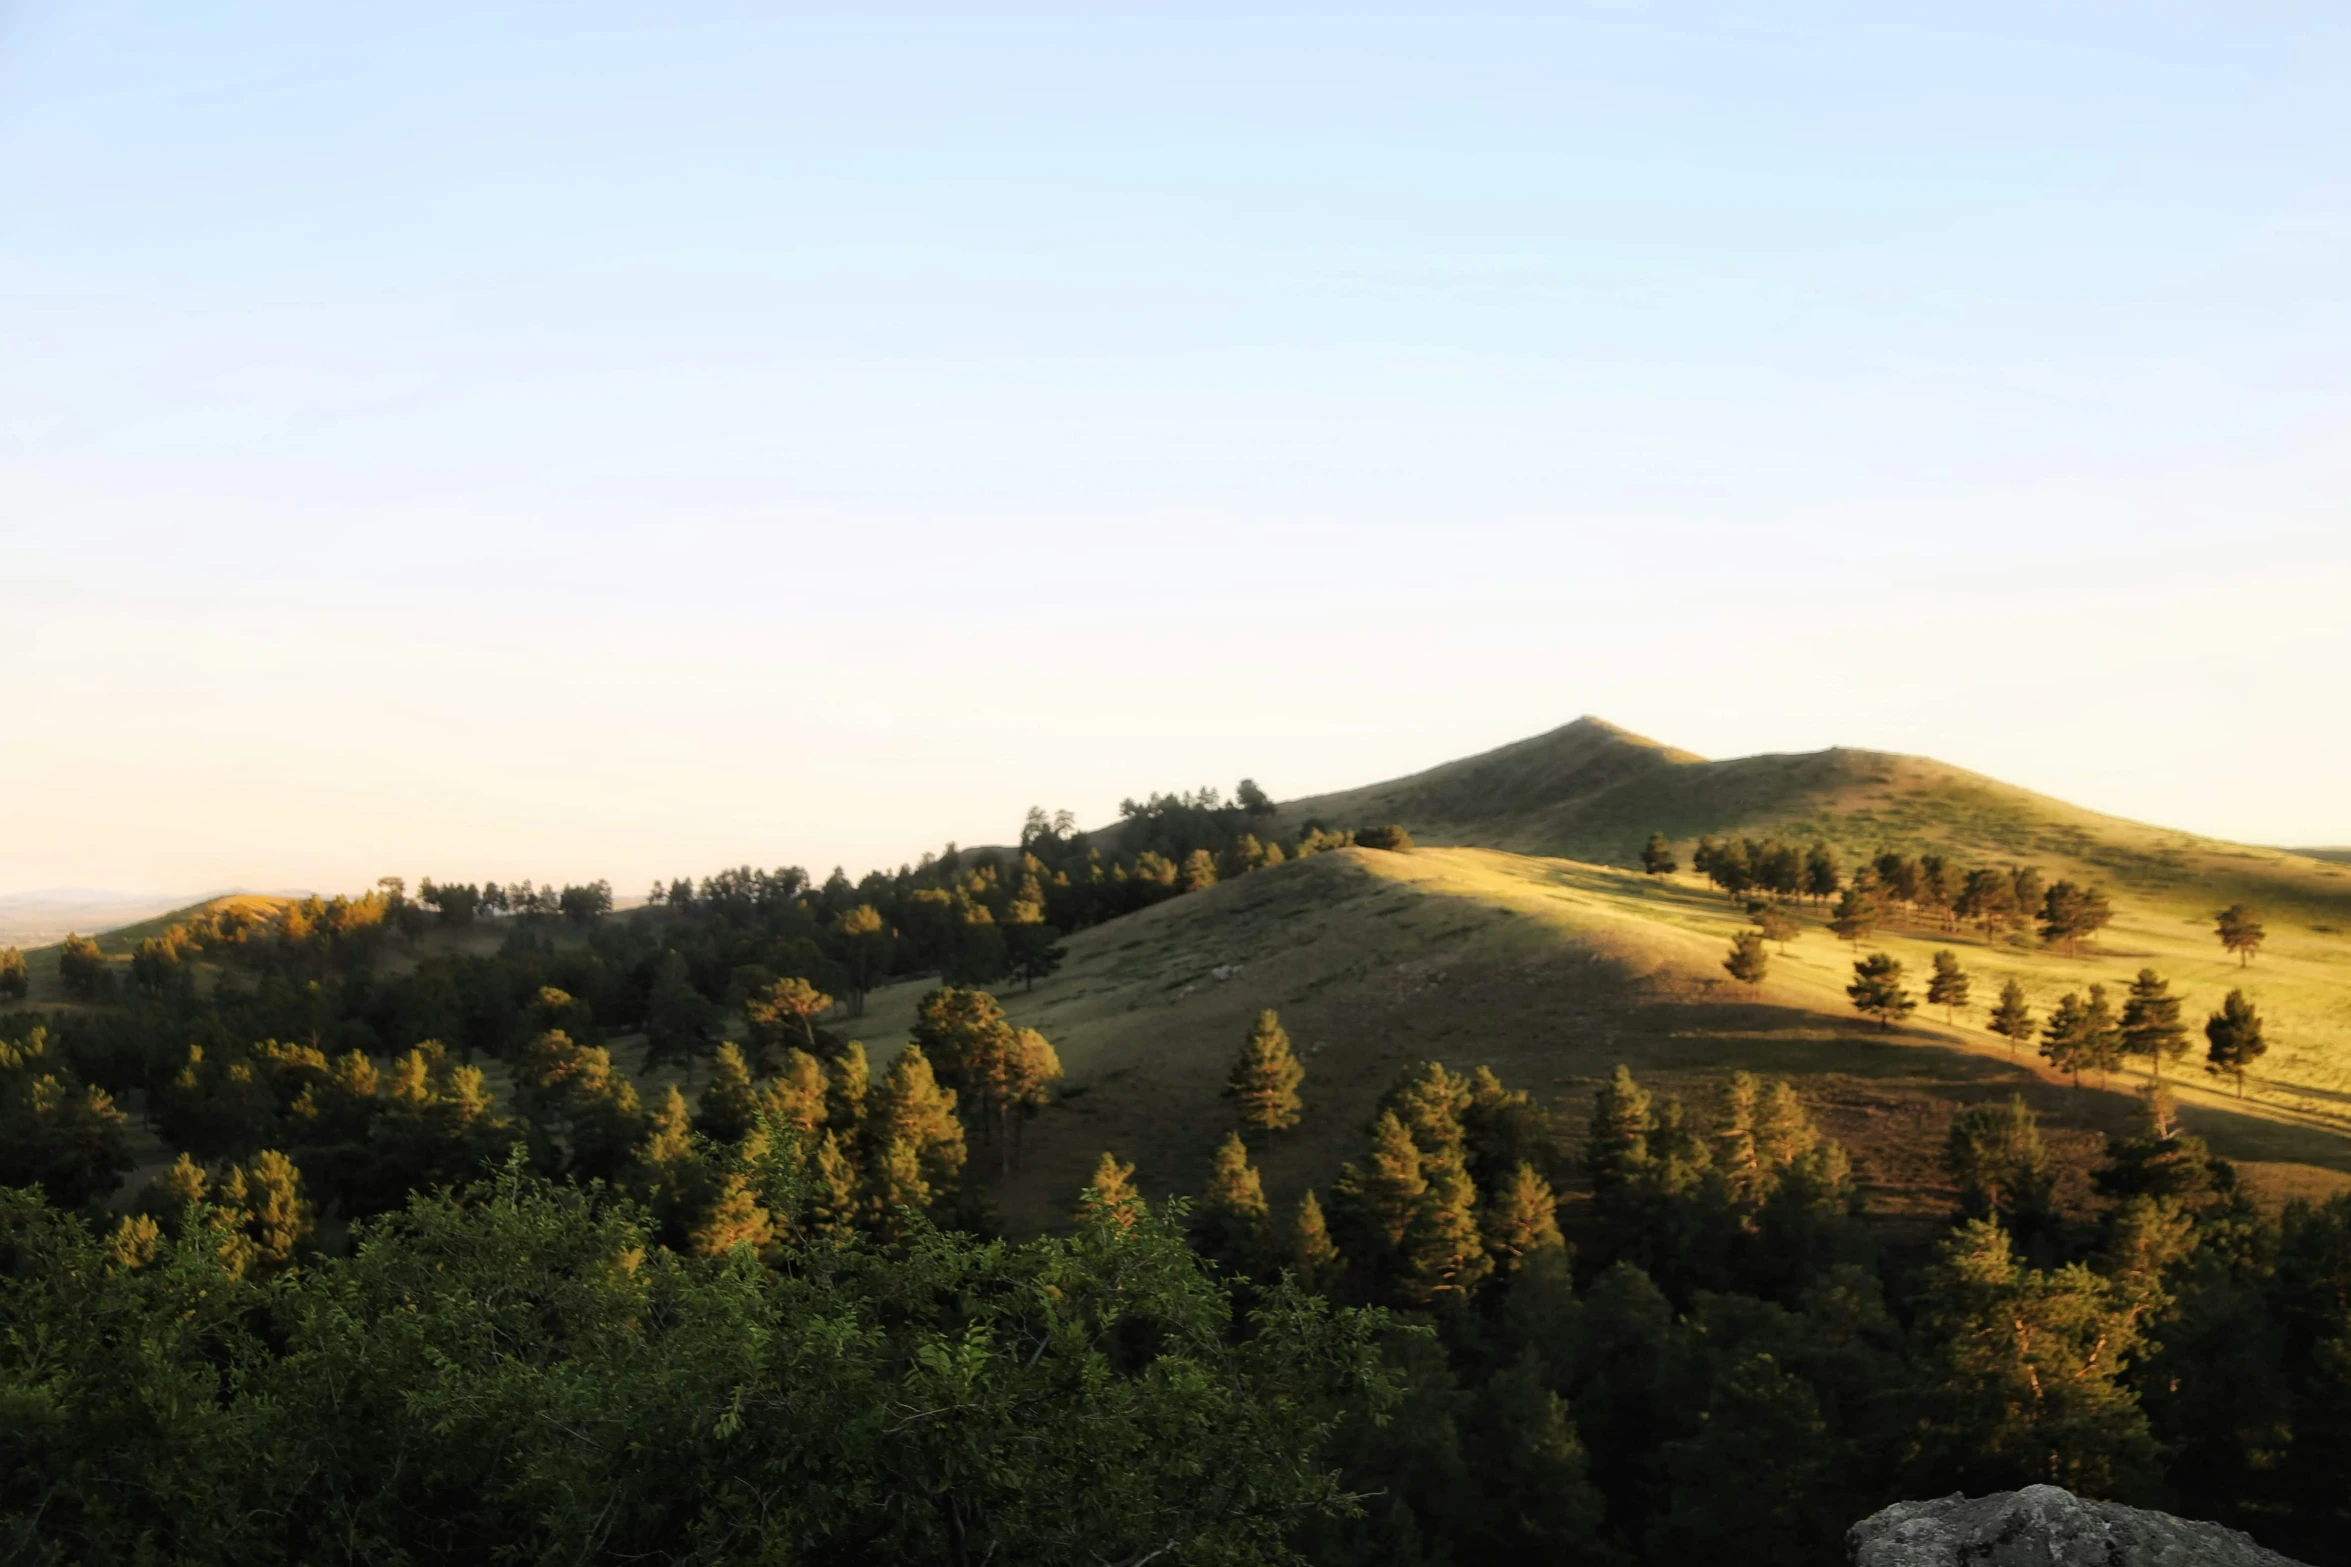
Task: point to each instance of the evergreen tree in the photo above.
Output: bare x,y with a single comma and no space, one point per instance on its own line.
1755,1482
799,1095
1199,871
1987,900
1748,962
2070,912
781,1016
57,1132
1431,1102
1444,1255
678,1018
1312,1255
1230,1224
1265,1078
2234,1039
1110,1196
1531,1497
839,1198
1856,914
1947,986
1821,877
1618,1148
2065,1041
1994,1157
729,1106
847,1087
81,969
2239,932
1877,990
2101,1034
2012,1020
1382,1194
1033,1067
913,1115
15,982
1775,924
894,1184
1657,856
1522,1217
2151,1024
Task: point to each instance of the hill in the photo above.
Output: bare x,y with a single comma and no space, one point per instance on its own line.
117,943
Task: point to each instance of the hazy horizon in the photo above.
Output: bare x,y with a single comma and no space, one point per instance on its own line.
451,445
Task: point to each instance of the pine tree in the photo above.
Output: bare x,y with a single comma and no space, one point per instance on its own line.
1987,899
1522,1217
1947,986
1032,1068
1444,1255
2070,912
2101,1034
894,1182
1383,1193
848,1083
1230,1223
1312,1255
1993,1154
1877,990
1775,924
1657,856
1431,1101
1748,962
910,1111
2063,1041
265,1214
2012,1020
1266,1077
1856,914
2233,1039
1110,1197
1618,1149
734,1217
781,1015
15,982
1737,1156
729,1106
2151,1024
678,1017
797,1096
2239,932
837,1199
1821,877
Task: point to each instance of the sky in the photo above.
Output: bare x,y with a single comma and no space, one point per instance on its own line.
501,440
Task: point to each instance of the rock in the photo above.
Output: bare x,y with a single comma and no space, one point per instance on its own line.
2044,1526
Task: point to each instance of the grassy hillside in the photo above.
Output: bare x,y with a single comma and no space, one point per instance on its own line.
1591,791
117,944
1553,971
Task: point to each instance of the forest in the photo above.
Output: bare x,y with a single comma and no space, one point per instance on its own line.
432,1277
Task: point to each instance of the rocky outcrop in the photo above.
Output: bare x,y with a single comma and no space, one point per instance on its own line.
2044,1526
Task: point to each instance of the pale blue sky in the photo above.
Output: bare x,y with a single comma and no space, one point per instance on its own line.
569,440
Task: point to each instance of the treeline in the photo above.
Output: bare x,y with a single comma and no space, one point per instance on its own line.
1713,1359
1927,889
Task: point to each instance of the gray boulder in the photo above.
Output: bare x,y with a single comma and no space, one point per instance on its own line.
2044,1526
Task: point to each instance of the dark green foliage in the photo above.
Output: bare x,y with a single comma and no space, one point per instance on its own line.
2239,932
1821,876
1994,1157
15,982
1748,963
2012,1020
1948,985
56,1132
2070,912
1876,990
1265,1078
2082,1035
1657,856
1857,913
1987,900
1391,837
81,969
2234,1039
2151,1024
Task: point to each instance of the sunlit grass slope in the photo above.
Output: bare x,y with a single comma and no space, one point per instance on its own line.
1553,971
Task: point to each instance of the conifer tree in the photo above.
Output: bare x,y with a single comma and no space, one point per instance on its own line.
1230,1223
1748,962
911,1111
782,1015
838,1198
2239,932
679,1019
1657,856
1444,1254
1503,1128
1265,1078
1775,924
1199,871
2070,912
2234,1039
1877,990
1382,1194
1110,1196
1987,900
733,1217
1618,1149
1856,914
2064,1038
1032,1068
1947,986
729,1106
1784,1133
2151,1024
15,982
1522,1217
669,1173
847,1087
1312,1255
798,1095
81,969
1737,1156
2101,1034
2012,1020
1993,1154
1431,1101
1821,877
265,1213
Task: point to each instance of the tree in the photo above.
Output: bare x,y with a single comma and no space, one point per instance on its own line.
1230,1223
1392,838
913,1119
1994,1157
1657,856
15,983
57,1132
1523,1217
1947,986
2151,1021
1987,900
865,943
1381,1195
2239,932
2233,1039
679,1019
1032,949
1312,1255
1821,877
1444,1255
2065,1037
1775,923
1199,871
1748,962
2070,912
81,969
1110,1196
2012,1020
780,1015
1877,990
1031,1070
729,1106
1252,799
2101,1034
1265,1078
1856,914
